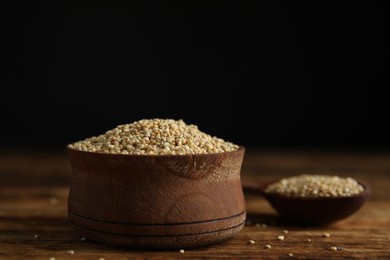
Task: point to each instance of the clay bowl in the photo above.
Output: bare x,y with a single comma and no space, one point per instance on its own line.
311,211
156,201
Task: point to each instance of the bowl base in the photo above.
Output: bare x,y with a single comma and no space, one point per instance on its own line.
158,236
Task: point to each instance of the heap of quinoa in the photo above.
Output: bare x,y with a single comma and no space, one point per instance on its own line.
155,137
313,186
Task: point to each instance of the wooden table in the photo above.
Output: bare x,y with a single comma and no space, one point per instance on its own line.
33,211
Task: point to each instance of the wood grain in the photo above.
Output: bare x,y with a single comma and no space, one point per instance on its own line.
159,201
33,201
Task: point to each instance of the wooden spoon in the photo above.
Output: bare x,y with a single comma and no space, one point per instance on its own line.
310,211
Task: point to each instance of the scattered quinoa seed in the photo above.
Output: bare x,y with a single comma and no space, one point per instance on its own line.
181,251
52,258
290,255
251,242
70,252
264,225
83,239
101,258
326,235
315,186
285,231
257,225
155,137
280,237
36,236
309,240
267,246
333,248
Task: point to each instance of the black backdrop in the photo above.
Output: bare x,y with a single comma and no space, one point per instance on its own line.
258,73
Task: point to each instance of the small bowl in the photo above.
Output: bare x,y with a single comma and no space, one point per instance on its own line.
156,201
311,211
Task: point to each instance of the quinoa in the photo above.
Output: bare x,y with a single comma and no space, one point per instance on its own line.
313,186
155,137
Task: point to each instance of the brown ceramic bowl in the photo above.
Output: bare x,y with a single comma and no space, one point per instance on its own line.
156,201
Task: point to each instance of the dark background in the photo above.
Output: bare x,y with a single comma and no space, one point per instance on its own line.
268,74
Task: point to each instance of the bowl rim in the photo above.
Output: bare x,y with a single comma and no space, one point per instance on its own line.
72,150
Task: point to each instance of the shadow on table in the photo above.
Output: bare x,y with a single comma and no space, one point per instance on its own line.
273,220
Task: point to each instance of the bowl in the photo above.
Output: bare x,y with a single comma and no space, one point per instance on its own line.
156,201
318,211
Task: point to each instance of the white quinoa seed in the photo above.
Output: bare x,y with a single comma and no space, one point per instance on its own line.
257,225
70,252
52,258
181,251
315,186
83,239
264,225
251,242
326,235
101,258
309,240
36,236
290,255
285,231
333,248
267,246
155,137
281,238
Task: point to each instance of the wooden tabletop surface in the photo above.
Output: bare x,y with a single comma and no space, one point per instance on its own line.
34,225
